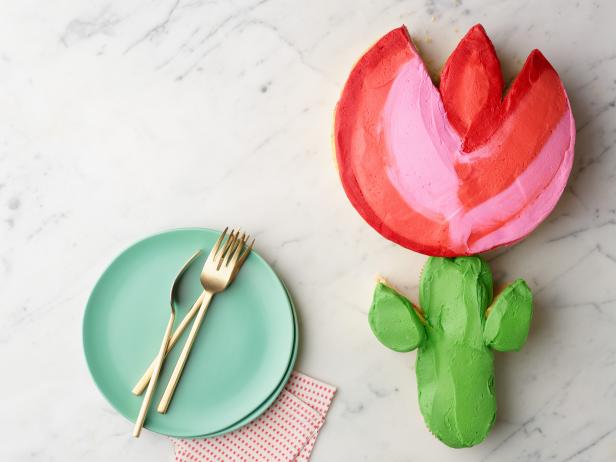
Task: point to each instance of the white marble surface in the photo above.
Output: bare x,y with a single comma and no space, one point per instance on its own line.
120,118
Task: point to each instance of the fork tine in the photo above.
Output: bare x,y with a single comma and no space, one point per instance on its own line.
233,260
220,258
220,239
212,255
245,252
243,255
238,244
225,248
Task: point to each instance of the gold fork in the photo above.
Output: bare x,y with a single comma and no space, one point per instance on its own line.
218,272
141,385
158,362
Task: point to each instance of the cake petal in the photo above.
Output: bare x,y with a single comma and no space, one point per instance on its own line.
471,87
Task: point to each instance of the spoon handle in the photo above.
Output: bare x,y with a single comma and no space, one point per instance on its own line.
141,385
158,363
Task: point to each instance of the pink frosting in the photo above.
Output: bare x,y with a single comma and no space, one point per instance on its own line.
424,149
460,168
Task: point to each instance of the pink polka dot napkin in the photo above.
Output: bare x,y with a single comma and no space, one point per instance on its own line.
287,431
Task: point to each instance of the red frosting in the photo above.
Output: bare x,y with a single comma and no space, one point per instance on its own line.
374,73
471,90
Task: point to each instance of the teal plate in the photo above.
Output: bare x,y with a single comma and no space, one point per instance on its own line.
263,407
241,359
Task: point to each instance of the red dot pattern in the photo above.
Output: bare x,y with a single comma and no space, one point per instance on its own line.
286,432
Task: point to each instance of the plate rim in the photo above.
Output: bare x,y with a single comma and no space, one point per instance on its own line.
241,422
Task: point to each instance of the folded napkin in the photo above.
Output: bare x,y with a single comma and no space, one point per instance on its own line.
287,431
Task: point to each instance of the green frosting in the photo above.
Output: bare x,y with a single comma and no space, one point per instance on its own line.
507,325
394,321
455,370
455,367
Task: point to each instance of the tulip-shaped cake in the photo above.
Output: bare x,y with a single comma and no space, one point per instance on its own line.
449,172
455,328
458,169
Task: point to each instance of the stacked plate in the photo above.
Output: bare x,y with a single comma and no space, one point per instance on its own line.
243,355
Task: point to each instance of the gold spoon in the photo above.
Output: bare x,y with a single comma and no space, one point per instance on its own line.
163,350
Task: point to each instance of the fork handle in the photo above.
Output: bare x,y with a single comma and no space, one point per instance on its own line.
141,385
163,405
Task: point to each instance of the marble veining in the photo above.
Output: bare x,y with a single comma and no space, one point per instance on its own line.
120,119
